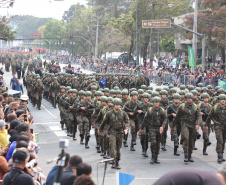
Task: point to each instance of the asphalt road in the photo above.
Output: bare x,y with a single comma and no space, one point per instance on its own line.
47,125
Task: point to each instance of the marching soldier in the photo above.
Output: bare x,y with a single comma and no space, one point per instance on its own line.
54,90
141,81
154,121
38,93
218,116
188,114
117,120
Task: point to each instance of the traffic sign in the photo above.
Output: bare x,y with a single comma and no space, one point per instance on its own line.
36,35
156,23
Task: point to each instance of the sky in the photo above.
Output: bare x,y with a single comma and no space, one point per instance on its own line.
40,8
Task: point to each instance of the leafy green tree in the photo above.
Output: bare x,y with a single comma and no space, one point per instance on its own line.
167,44
6,32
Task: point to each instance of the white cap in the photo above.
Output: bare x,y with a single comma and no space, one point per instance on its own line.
24,97
2,123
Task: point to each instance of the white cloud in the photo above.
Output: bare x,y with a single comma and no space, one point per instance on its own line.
41,8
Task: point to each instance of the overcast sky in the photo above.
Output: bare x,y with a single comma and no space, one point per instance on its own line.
40,8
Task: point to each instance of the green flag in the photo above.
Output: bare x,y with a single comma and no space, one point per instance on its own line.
25,74
191,57
45,69
23,65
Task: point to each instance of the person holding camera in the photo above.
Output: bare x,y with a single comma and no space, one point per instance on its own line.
19,174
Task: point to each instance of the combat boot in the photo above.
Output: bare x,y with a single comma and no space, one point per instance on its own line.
113,165
102,153
185,159
134,143
156,160
108,155
176,152
190,159
152,160
204,152
98,150
105,156
74,138
181,141
195,148
145,153
176,144
132,148
117,166
82,138
208,143
125,142
220,158
198,135
163,147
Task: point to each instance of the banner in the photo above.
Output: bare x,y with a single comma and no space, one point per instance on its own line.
191,57
123,178
45,69
222,83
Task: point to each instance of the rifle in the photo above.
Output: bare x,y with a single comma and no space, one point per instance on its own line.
93,106
126,109
171,117
140,108
205,116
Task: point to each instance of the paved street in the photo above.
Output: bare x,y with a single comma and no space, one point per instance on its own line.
48,127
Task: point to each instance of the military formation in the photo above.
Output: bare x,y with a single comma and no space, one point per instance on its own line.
118,104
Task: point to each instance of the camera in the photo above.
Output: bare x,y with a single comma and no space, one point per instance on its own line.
64,143
32,163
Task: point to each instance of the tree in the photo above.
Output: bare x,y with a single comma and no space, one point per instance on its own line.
211,21
167,44
55,29
6,32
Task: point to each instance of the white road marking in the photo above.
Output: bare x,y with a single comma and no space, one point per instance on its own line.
49,111
47,123
60,133
54,128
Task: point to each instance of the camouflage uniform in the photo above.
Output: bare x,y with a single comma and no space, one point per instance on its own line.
54,90
117,124
140,82
38,92
188,115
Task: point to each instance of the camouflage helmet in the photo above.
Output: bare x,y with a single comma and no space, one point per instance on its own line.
81,92
171,86
204,89
103,98
150,88
149,91
110,99
176,96
117,101
182,92
67,88
163,92
173,90
133,89
155,94
140,91
166,88
74,91
62,87
191,87
198,89
94,87
55,78
101,90
125,92
70,90
217,87
200,84
98,93
145,95
158,89
134,93
141,74
118,92
143,87
88,93
194,92
156,99
116,79
105,90
93,80
209,87
189,95
112,91
220,90
116,88
182,87
222,97
205,95
38,80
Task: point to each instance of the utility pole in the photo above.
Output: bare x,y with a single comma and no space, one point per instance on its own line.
194,41
97,34
137,37
151,36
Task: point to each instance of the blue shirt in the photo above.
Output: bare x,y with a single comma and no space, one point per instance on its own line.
12,81
18,87
10,151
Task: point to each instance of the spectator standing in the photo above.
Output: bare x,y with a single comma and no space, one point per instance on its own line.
18,87
13,80
3,134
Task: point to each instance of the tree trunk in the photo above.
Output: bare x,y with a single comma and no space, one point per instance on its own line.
131,48
223,54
